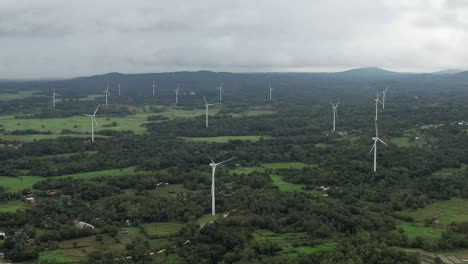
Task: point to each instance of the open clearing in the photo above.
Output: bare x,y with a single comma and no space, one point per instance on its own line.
285,165
225,139
130,171
17,95
14,184
292,244
286,186
161,229
13,206
415,230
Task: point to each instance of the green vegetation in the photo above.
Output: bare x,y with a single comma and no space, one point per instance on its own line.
162,229
426,232
286,186
112,173
444,212
13,206
285,165
17,95
247,170
14,184
225,139
207,218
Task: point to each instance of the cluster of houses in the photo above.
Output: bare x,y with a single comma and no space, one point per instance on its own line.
30,199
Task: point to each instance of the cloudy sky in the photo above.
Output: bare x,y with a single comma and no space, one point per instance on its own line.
65,38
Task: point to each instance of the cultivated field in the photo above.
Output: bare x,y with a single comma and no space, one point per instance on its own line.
225,139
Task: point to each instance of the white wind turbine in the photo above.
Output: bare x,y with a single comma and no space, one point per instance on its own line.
119,89
335,114
207,105
220,88
54,94
213,165
384,95
107,92
154,88
374,147
271,89
177,95
377,101
93,120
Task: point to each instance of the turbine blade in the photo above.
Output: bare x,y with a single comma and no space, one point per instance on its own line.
211,159
95,121
96,110
88,115
376,129
205,100
373,146
225,161
383,142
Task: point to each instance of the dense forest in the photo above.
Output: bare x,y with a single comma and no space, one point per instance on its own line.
295,193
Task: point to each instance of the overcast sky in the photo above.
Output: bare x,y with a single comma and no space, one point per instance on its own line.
64,38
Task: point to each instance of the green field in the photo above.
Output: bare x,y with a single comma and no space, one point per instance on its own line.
405,142
447,172
292,244
130,171
18,95
169,191
174,112
285,165
13,206
444,212
207,218
286,186
161,229
14,184
254,112
247,170
225,139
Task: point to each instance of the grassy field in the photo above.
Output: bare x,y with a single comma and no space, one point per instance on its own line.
225,139
207,218
444,212
130,171
162,229
13,206
447,172
404,142
18,95
292,244
170,190
247,170
286,186
14,184
285,165
175,112
254,112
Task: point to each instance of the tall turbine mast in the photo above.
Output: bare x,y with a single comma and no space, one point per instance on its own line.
177,95
377,101
213,165
384,95
119,89
207,105
220,88
93,120
271,89
107,92
374,147
335,114
154,88
54,94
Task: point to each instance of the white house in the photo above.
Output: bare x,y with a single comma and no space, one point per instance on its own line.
82,225
2,234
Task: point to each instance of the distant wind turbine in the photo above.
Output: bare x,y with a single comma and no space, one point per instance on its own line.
335,113
54,94
374,147
107,92
177,95
377,101
220,88
207,105
213,165
119,89
154,88
93,120
271,89
384,95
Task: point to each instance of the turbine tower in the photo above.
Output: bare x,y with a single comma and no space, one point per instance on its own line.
93,120
220,88
119,89
271,89
54,94
213,165
207,105
177,95
107,92
154,88
335,114
374,147
384,95
377,101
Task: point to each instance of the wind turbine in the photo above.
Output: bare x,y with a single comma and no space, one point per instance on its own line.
271,89
335,113
54,94
119,89
377,101
107,92
213,165
374,147
177,95
93,120
384,95
220,88
206,110
154,88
